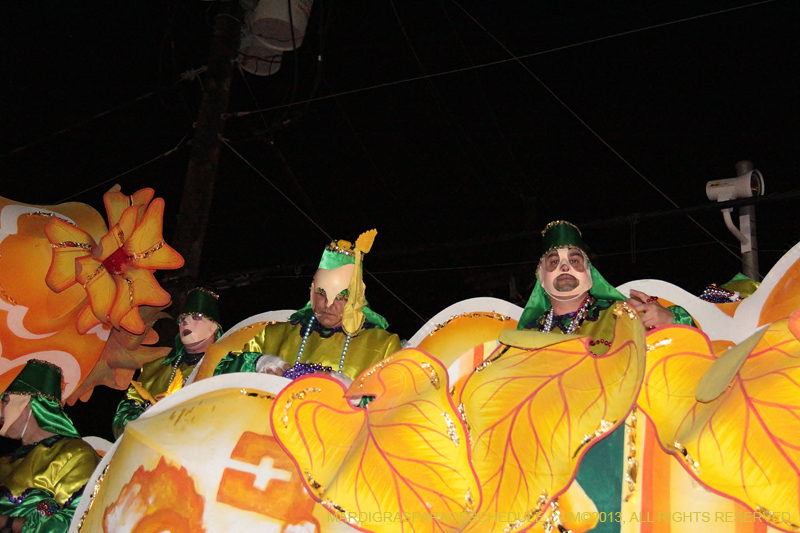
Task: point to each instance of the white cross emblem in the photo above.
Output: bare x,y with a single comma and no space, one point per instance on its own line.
263,472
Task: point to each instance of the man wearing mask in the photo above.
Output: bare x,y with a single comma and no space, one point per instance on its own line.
335,332
41,482
571,296
199,327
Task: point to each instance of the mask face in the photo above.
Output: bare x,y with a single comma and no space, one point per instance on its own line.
13,407
329,294
195,329
564,273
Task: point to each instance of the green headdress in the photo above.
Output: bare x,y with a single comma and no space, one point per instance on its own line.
42,382
203,302
338,254
556,235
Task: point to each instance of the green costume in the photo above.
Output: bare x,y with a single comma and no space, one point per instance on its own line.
157,376
304,343
43,481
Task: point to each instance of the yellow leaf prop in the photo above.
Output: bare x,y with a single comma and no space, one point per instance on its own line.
533,413
400,465
744,443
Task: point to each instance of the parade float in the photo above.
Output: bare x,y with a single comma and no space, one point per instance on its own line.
474,427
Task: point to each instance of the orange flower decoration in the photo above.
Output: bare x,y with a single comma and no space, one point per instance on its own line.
117,272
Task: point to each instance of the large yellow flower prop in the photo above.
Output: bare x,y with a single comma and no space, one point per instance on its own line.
736,433
117,272
45,311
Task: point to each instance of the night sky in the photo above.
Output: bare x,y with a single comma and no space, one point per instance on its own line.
457,129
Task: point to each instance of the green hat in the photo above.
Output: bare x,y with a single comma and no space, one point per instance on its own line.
338,254
201,301
42,382
561,234
556,235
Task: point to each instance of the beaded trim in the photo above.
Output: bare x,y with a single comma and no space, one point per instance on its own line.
184,315
558,223
719,295
46,509
335,248
16,499
207,291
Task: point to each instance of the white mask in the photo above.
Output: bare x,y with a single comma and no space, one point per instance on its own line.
12,410
194,332
332,281
564,274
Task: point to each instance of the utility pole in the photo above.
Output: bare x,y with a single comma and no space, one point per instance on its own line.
198,188
747,225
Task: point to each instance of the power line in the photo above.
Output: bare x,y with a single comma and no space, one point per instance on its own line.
248,163
590,129
511,59
156,158
188,75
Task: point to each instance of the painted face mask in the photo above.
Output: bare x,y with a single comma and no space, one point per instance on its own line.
331,282
13,407
564,274
195,329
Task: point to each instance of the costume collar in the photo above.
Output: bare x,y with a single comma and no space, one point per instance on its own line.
562,322
317,328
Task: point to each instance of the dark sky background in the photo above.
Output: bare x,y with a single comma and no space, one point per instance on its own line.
458,129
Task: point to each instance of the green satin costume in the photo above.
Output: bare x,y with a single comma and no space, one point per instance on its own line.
43,482
323,346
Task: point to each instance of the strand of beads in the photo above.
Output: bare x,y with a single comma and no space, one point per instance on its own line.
307,333
175,365
576,321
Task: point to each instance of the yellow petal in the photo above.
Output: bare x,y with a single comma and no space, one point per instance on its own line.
61,274
128,221
60,231
146,244
68,243
743,443
116,202
110,243
86,320
135,287
102,291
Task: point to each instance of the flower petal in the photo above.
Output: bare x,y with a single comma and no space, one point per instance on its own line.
68,242
133,322
135,287
116,202
128,222
86,320
146,244
100,287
